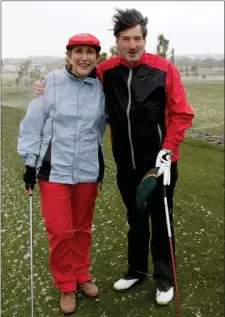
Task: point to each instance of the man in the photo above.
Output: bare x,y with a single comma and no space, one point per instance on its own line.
148,115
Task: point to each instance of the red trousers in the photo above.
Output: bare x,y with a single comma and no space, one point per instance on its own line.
68,213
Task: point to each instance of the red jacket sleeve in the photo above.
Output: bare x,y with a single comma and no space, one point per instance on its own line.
179,114
99,72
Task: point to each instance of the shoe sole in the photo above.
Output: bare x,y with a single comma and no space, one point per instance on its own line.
163,303
133,285
68,314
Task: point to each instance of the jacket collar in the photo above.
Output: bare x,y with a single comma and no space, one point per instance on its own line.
142,60
91,79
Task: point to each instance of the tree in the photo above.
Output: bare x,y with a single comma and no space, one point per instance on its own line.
172,57
162,46
23,75
34,74
194,70
26,65
209,63
114,51
187,72
103,57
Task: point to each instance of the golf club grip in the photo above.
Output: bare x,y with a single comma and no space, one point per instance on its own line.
164,191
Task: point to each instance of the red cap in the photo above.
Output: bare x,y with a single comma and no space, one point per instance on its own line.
83,39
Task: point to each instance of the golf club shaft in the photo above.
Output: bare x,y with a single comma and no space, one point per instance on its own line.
172,253
31,255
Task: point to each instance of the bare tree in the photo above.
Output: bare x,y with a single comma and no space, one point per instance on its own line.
103,57
34,74
194,70
204,76
26,65
114,51
23,81
187,72
172,57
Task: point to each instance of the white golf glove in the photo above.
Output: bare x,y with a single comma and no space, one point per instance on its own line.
163,161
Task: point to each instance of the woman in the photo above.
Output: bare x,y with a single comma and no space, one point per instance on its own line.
61,142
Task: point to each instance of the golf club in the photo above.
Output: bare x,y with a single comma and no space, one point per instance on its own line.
145,189
172,253
171,242
31,253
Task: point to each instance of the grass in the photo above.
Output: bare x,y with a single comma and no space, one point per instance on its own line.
15,98
199,224
206,98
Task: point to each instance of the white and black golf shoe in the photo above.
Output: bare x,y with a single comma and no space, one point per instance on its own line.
164,292
128,281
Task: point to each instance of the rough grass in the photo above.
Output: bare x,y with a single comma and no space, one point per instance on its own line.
199,231
206,98
13,97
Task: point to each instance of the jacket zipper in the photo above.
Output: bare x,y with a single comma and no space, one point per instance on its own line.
160,135
128,118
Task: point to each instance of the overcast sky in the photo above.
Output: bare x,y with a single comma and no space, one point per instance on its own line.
43,28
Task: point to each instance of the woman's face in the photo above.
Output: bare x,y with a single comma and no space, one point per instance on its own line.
83,59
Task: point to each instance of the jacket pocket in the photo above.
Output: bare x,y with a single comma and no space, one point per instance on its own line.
45,169
101,164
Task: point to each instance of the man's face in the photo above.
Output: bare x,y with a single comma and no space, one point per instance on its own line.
131,44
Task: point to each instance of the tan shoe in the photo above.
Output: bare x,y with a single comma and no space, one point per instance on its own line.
89,289
68,302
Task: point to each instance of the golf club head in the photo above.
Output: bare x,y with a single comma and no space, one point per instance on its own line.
146,187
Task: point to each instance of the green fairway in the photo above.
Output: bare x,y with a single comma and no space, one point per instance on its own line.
199,227
206,98
16,98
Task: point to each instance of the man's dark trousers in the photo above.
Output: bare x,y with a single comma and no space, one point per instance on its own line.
138,220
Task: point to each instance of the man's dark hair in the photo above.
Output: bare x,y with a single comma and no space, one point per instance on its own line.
125,19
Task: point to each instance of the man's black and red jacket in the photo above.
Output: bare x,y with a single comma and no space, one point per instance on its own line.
147,108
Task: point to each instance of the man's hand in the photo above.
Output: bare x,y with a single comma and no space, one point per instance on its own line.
163,161
39,88
29,177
